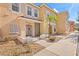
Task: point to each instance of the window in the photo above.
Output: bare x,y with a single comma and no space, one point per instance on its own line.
29,11
47,13
35,13
15,7
54,29
14,28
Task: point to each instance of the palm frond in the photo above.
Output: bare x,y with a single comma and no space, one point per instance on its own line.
51,18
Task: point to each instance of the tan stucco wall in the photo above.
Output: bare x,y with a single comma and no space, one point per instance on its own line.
7,17
44,24
23,23
22,27
61,22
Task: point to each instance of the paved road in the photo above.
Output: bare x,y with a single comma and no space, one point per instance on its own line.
77,50
73,37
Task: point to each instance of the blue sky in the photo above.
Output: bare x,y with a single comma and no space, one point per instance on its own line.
72,8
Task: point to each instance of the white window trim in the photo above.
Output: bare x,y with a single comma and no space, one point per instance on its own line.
32,16
37,12
10,28
15,11
47,12
27,10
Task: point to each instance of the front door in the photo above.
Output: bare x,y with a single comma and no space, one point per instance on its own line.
28,30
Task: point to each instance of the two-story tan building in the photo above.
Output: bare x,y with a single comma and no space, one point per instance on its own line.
17,19
26,19
45,11
62,23
59,26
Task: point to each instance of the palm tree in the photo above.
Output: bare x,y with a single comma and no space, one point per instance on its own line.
50,19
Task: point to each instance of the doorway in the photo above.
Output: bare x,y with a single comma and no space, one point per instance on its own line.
28,30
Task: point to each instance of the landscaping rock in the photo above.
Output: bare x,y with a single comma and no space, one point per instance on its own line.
10,48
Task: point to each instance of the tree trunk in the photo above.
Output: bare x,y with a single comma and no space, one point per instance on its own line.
50,30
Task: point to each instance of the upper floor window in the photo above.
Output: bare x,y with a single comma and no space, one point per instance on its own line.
15,7
29,11
47,13
35,13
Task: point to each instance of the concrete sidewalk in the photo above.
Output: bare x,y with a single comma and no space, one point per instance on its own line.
44,43
62,48
45,52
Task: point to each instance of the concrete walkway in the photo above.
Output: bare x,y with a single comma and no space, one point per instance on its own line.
45,52
62,48
43,43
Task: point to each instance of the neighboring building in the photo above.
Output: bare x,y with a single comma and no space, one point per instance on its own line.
76,27
29,20
45,11
71,24
62,23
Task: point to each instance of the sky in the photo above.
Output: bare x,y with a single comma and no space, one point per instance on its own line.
72,8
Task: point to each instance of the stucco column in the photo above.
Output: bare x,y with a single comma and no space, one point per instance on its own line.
23,28
33,30
46,26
